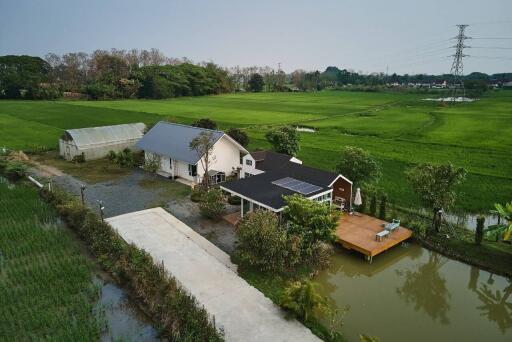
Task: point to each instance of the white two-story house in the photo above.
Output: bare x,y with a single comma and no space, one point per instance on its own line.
169,145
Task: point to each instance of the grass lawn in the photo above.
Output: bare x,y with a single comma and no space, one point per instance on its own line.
398,128
92,171
164,189
46,288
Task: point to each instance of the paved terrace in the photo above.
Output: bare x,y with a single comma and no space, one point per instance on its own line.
243,312
358,231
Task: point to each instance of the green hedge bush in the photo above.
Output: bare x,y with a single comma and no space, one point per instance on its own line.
176,312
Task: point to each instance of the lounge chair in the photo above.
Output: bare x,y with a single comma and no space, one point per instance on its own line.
392,226
380,235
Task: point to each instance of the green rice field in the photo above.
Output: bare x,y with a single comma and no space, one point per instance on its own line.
399,129
46,288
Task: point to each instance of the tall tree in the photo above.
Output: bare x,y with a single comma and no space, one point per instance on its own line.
203,146
284,140
436,187
240,136
256,83
358,165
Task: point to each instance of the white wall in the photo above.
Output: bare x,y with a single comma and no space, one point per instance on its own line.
227,160
251,169
67,150
227,157
94,151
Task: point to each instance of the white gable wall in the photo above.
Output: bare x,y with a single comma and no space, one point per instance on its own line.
249,167
227,157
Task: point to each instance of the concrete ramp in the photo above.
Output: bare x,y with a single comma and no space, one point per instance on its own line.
242,311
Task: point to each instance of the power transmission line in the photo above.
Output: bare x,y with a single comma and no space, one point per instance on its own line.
457,68
492,47
493,38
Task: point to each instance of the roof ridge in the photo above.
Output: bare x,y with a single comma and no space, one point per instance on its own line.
190,126
107,126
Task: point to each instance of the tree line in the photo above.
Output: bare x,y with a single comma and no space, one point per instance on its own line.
109,75
150,74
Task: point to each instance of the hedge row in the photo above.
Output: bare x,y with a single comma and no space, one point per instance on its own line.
177,313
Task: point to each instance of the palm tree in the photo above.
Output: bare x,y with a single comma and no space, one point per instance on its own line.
302,299
505,230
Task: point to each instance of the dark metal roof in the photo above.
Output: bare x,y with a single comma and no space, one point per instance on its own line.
260,188
173,140
268,160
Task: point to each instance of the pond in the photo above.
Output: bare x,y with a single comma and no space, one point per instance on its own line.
412,294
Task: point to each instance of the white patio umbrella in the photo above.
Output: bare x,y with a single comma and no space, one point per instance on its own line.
357,199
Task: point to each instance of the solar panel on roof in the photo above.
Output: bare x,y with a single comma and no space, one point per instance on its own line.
293,184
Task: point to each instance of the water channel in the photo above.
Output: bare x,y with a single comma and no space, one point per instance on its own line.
412,294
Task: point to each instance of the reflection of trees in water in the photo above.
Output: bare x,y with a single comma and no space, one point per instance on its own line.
495,306
426,289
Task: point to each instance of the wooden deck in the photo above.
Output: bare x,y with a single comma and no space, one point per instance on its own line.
358,231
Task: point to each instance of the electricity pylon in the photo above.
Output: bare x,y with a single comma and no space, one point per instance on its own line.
457,65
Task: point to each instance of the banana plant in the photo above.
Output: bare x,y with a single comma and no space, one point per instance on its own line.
504,230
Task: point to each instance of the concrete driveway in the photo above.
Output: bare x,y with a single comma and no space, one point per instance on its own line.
240,310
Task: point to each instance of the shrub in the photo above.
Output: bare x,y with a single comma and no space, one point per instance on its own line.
312,220
382,207
196,195
263,245
302,299
111,156
122,159
15,170
234,200
151,163
419,228
205,123
79,158
373,205
321,255
479,231
212,204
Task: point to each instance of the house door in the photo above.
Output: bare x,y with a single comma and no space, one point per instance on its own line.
68,154
165,164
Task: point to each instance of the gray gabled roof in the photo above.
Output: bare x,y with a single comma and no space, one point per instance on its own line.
173,140
104,134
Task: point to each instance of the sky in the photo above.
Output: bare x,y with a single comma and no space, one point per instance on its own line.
402,36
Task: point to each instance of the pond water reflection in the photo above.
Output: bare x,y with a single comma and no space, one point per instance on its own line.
410,293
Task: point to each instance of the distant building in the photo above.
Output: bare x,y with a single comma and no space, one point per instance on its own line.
96,142
507,85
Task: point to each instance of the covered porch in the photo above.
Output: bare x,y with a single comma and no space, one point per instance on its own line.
247,206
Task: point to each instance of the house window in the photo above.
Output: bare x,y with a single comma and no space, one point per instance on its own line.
192,170
218,178
248,162
170,163
247,175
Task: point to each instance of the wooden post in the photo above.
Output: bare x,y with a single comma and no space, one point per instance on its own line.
82,188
